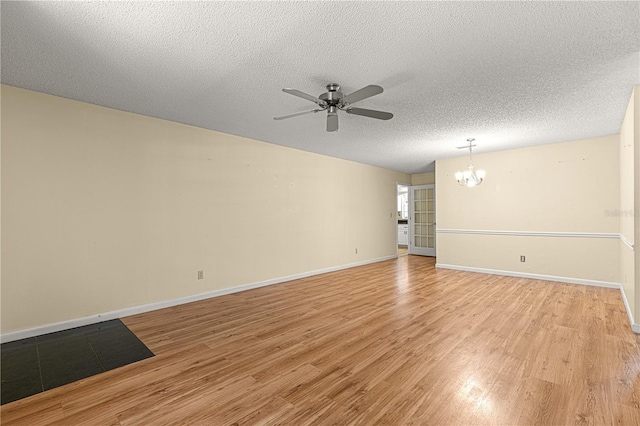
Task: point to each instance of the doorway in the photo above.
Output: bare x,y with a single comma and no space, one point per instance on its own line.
403,219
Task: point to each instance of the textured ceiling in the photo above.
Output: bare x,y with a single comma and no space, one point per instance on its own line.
509,74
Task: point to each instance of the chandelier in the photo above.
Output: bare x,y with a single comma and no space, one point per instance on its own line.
468,177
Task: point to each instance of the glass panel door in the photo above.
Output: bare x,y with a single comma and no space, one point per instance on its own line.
422,216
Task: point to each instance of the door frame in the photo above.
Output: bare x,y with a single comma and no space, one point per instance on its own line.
395,221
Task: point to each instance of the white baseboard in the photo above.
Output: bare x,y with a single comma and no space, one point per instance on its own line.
568,280
635,327
92,319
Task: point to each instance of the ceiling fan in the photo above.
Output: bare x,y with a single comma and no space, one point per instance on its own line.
334,100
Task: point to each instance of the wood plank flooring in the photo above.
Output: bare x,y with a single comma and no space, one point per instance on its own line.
396,342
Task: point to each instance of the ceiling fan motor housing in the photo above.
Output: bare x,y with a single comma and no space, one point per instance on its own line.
333,96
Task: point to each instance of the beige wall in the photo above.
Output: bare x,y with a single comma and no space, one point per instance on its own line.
636,202
558,188
104,210
423,178
627,197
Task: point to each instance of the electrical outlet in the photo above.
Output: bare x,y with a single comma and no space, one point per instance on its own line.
521,258
201,275
356,251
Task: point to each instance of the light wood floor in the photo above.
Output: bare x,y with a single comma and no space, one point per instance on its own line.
396,342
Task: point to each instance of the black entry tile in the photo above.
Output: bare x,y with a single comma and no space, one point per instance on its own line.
32,365
16,359
117,347
104,326
31,341
60,335
66,361
20,370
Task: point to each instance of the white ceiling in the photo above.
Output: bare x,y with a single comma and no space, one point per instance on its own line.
509,74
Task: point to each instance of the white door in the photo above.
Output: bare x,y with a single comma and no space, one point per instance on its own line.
422,220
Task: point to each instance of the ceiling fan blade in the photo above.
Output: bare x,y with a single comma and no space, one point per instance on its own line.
364,93
332,122
297,114
303,95
380,115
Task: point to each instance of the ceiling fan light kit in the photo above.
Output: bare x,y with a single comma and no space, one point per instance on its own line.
334,100
469,177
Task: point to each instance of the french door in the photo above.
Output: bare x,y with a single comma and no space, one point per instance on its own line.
422,220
